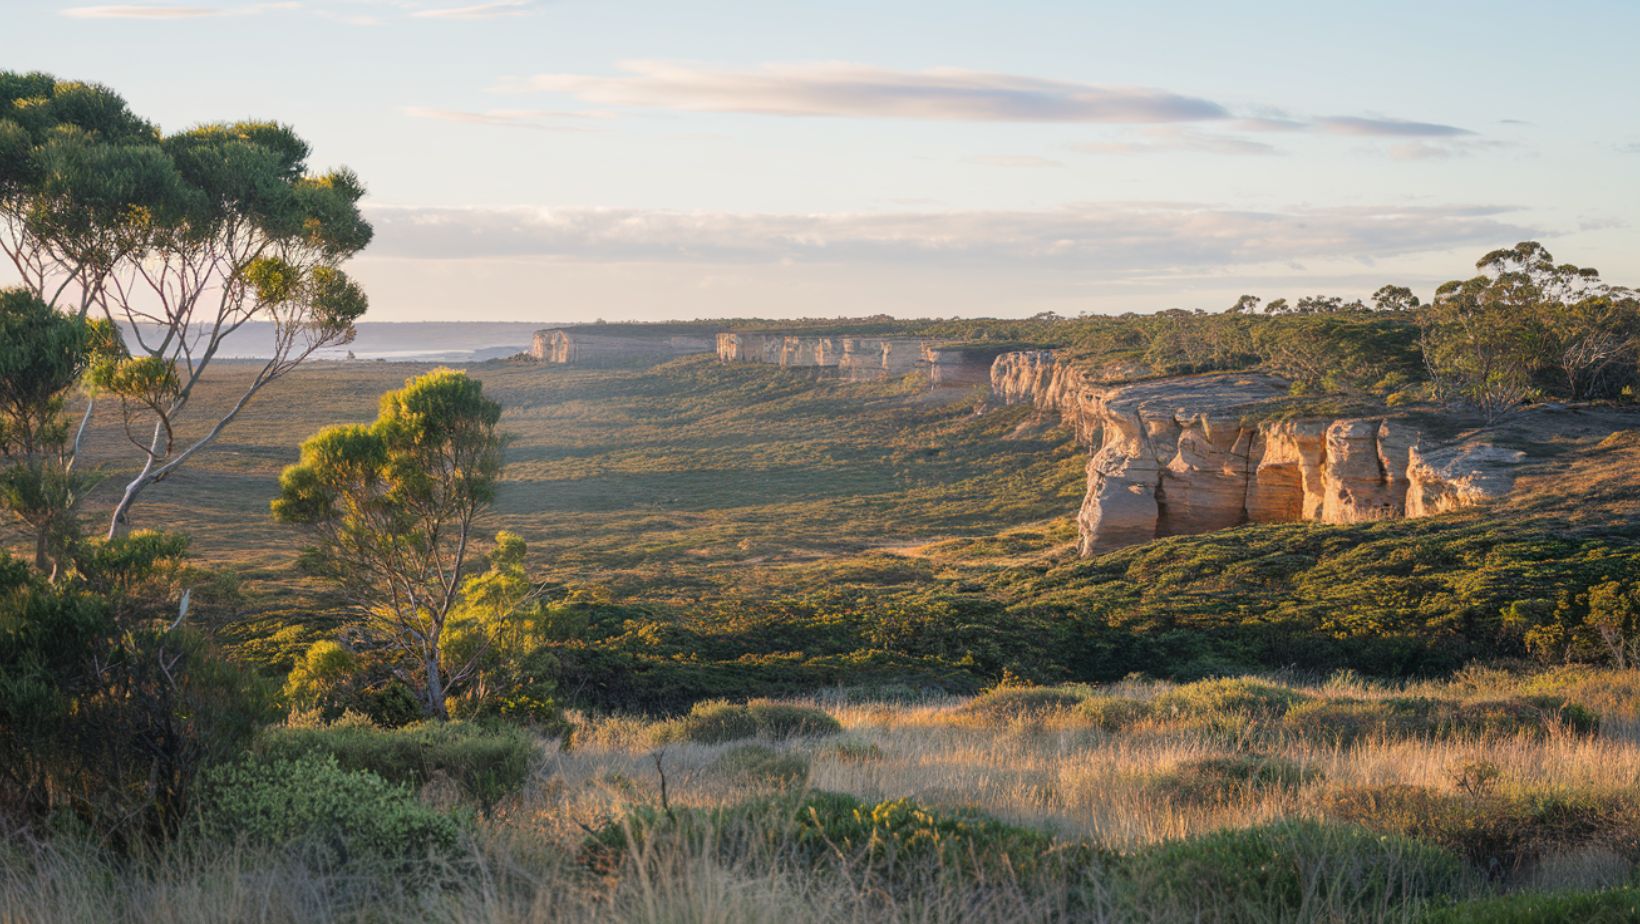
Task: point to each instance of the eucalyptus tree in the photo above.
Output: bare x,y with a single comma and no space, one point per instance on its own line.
393,507
181,240
43,355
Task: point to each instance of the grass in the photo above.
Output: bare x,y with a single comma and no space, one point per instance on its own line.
933,815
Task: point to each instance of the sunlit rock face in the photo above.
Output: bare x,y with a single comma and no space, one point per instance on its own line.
580,346
1192,454
864,359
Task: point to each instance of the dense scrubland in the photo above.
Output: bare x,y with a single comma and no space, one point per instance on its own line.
689,642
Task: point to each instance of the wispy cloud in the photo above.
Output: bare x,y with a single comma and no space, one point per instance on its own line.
1169,139
1013,160
861,91
545,119
1121,238
140,11
172,12
1395,128
493,10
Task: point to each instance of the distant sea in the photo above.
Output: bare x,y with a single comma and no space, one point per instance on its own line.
408,341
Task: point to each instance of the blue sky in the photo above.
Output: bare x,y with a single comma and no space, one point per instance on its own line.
570,159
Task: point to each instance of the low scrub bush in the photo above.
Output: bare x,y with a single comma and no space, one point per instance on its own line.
1289,870
334,816
1220,779
486,763
760,766
1348,720
893,842
1501,833
1007,704
1113,713
1615,906
716,721
1228,698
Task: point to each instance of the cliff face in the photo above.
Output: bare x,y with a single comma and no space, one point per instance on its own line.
578,346
1180,456
861,359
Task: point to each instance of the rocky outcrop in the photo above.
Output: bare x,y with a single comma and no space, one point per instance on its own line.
863,359
584,346
1195,454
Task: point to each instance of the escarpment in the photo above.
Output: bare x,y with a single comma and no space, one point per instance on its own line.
1193,454
863,359
603,344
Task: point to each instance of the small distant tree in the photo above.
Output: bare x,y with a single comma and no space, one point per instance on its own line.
1614,618
1247,304
1394,298
393,507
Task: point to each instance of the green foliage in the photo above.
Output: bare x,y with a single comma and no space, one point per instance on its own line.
1113,713
1007,704
106,713
392,507
1231,776
1228,698
487,763
1615,906
1501,832
717,721
759,766
1288,870
894,841
336,817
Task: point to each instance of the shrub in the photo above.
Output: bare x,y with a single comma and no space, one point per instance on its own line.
487,763
1524,715
1288,870
1502,833
779,720
760,766
1220,779
1006,704
853,751
1229,697
717,721
894,841
1113,713
337,816
1609,907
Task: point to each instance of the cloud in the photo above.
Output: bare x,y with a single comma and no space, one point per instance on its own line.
861,91
542,119
1168,139
1013,160
1119,239
138,11
166,12
493,10
1396,128
1442,149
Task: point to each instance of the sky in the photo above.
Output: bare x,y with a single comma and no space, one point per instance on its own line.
568,160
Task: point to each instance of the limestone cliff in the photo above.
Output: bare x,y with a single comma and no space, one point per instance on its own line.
1191,454
621,343
862,359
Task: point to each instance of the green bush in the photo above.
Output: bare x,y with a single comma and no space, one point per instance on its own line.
1227,697
717,721
760,766
487,763
338,817
1113,713
1220,779
895,841
1289,870
1516,715
1501,833
1617,906
1006,704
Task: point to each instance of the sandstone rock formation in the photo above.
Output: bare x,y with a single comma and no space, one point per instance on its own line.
862,359
592,346
1194,454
